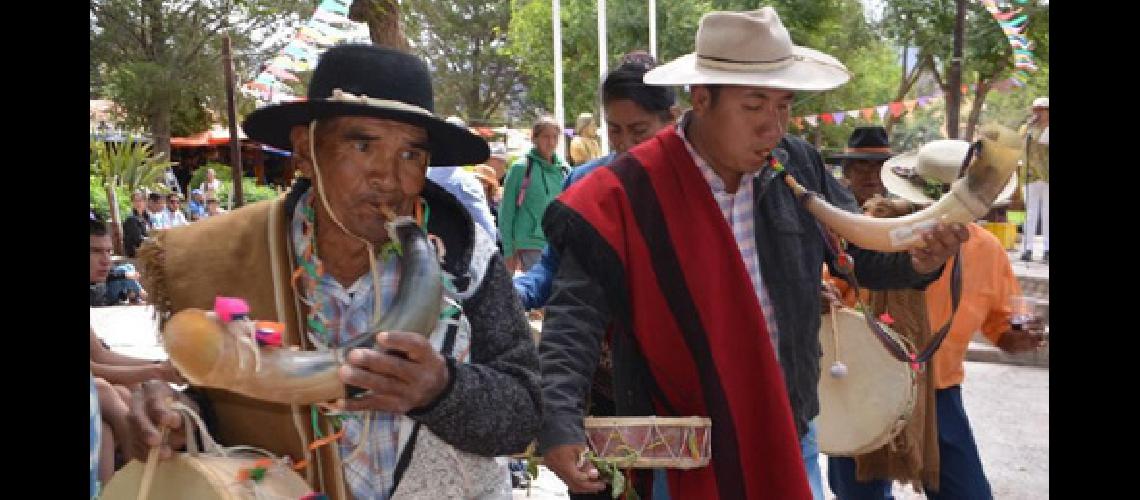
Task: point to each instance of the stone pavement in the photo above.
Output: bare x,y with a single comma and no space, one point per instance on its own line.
1008,408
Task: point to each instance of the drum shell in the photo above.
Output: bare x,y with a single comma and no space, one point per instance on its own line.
660,442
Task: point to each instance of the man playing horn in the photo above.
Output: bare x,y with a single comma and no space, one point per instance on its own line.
946,462
705,267
320,260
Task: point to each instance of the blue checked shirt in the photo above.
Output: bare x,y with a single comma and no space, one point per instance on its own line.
737,209
348,312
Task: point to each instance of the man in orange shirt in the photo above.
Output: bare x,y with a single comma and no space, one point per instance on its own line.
988,286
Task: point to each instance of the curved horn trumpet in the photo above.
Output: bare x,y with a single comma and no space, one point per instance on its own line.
969,198
210,355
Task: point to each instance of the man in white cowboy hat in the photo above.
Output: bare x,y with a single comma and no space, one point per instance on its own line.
318,259
704,269
1034,177
988,286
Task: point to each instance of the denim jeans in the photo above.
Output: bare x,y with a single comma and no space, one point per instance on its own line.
809,447
960,468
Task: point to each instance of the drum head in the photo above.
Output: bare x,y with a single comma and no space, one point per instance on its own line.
861,411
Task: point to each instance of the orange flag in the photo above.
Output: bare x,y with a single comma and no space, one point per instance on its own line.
896,109
910,104
868,114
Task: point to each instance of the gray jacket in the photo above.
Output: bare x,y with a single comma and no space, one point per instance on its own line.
791,252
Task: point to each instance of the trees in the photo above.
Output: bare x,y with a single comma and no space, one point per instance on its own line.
127,164
460,39
158,55
987,56
530,43
384,23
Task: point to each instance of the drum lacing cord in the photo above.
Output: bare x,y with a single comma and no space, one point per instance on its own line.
192,421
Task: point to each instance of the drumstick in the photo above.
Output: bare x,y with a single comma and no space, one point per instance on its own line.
152,461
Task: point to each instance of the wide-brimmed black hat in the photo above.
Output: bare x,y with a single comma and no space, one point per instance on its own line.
866,143
366,80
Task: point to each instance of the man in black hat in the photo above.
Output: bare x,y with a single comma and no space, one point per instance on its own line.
862,160
363,140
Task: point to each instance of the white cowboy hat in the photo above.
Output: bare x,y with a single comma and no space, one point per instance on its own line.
939,162
750,48
1041,102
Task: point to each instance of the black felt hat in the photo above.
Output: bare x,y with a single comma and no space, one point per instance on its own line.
366,80
866,143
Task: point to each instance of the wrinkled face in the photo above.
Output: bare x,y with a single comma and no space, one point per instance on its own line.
366,164
743,125
628,124
100,258
546,141
863,178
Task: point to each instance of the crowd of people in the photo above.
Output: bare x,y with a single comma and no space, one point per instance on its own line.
678,274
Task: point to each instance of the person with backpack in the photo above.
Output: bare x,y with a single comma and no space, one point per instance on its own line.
532,182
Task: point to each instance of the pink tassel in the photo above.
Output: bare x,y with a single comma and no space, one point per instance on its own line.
228,307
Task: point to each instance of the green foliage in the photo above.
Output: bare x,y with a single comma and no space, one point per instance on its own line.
531,43
463,38
250,191
222,170
129,164
153,56
99,203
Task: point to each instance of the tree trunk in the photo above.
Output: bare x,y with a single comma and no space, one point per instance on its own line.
383,18
983,89
116,225
159,122
906,82
954,96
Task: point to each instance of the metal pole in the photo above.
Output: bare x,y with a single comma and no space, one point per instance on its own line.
236,197
559,113
602,57
653,28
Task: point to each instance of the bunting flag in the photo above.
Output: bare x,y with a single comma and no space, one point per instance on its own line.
869,114
923,101
328,26
896,109
910,104
827,118
839,116
882,110
852,114
1013,22
811,119
799,121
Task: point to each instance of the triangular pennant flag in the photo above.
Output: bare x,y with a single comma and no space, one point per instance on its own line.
910,104
965,89
896,109
281,73
868,114
812,119
265,78
799,121
839,116
335,6
827,118
923,101
852,114
882,110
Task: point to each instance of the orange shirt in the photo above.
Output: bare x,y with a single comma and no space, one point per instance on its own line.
987,285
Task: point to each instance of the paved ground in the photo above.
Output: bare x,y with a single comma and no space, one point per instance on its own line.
1008,407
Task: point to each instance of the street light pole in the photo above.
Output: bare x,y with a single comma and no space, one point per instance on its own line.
602,57
559,113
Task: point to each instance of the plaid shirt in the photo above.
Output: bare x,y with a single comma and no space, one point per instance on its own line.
346,313
737,209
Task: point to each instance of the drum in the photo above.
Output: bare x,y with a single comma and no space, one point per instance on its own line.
866,396
217,473
651,442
